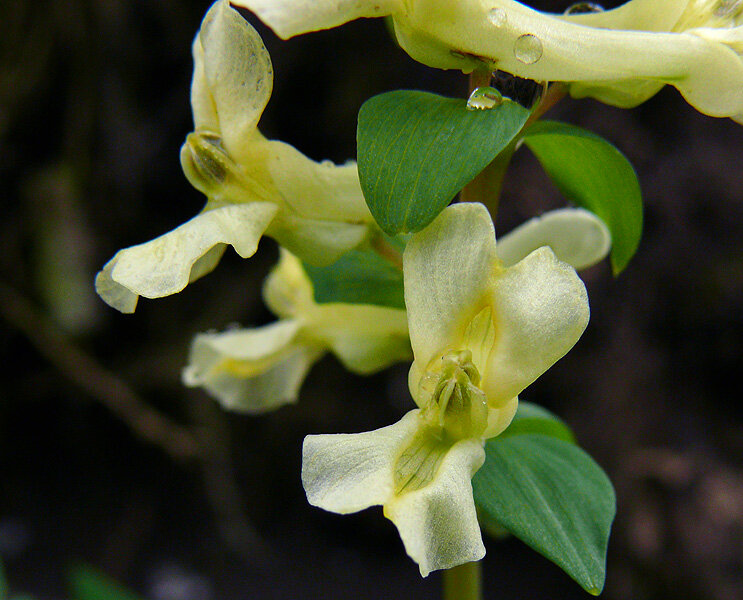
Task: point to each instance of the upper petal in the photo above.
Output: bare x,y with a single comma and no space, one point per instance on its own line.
438,523
238,75
449,268
576,236
540,309
317,190
291,17
165,265
544,47
345,473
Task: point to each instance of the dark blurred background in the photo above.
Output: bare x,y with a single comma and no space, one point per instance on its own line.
107,460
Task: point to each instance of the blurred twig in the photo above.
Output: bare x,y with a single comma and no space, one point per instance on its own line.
104,386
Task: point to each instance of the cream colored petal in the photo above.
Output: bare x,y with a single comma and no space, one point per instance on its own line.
500,418
537,46
639,15
576,236
315,241
202,101
287,290
449,268
238,73
251,370
346,473
164,265
540,309
323,191
438,523
365,338
292,17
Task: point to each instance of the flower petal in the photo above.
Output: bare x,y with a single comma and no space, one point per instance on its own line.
315,241
544,47
366,339
346,473
449,268
251,370
292,17
165,265
540,309
238,73
576,236
316,190
638,15
438,523
287,290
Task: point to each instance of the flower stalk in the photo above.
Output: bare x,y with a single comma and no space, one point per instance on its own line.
463,582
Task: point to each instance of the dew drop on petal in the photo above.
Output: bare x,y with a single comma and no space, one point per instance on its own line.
580,8
528,48
484,98
497,17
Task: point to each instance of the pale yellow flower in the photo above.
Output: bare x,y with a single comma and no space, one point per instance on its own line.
254,186
257,370
481,332
621,56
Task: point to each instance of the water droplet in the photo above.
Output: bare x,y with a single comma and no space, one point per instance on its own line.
528,48
580,8
497,17
484,98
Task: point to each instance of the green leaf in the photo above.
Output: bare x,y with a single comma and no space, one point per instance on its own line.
358,277
532,418
416,150
550,494
87,584
593,174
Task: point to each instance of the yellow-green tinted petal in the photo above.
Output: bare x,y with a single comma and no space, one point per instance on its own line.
287,290
540,309
576,236
251,370
438,523
346,473
640,15
315,190
315,241
500,418
291,17
527,43
366,339
202,102
165,265
238,73
449,268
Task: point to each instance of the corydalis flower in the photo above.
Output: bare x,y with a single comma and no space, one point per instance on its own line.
254,186
694,45
481,332
256,370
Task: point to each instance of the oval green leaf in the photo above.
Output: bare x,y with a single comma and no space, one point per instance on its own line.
550,494
593,174
416,150
358,277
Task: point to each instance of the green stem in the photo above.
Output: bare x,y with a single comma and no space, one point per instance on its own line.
463,582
